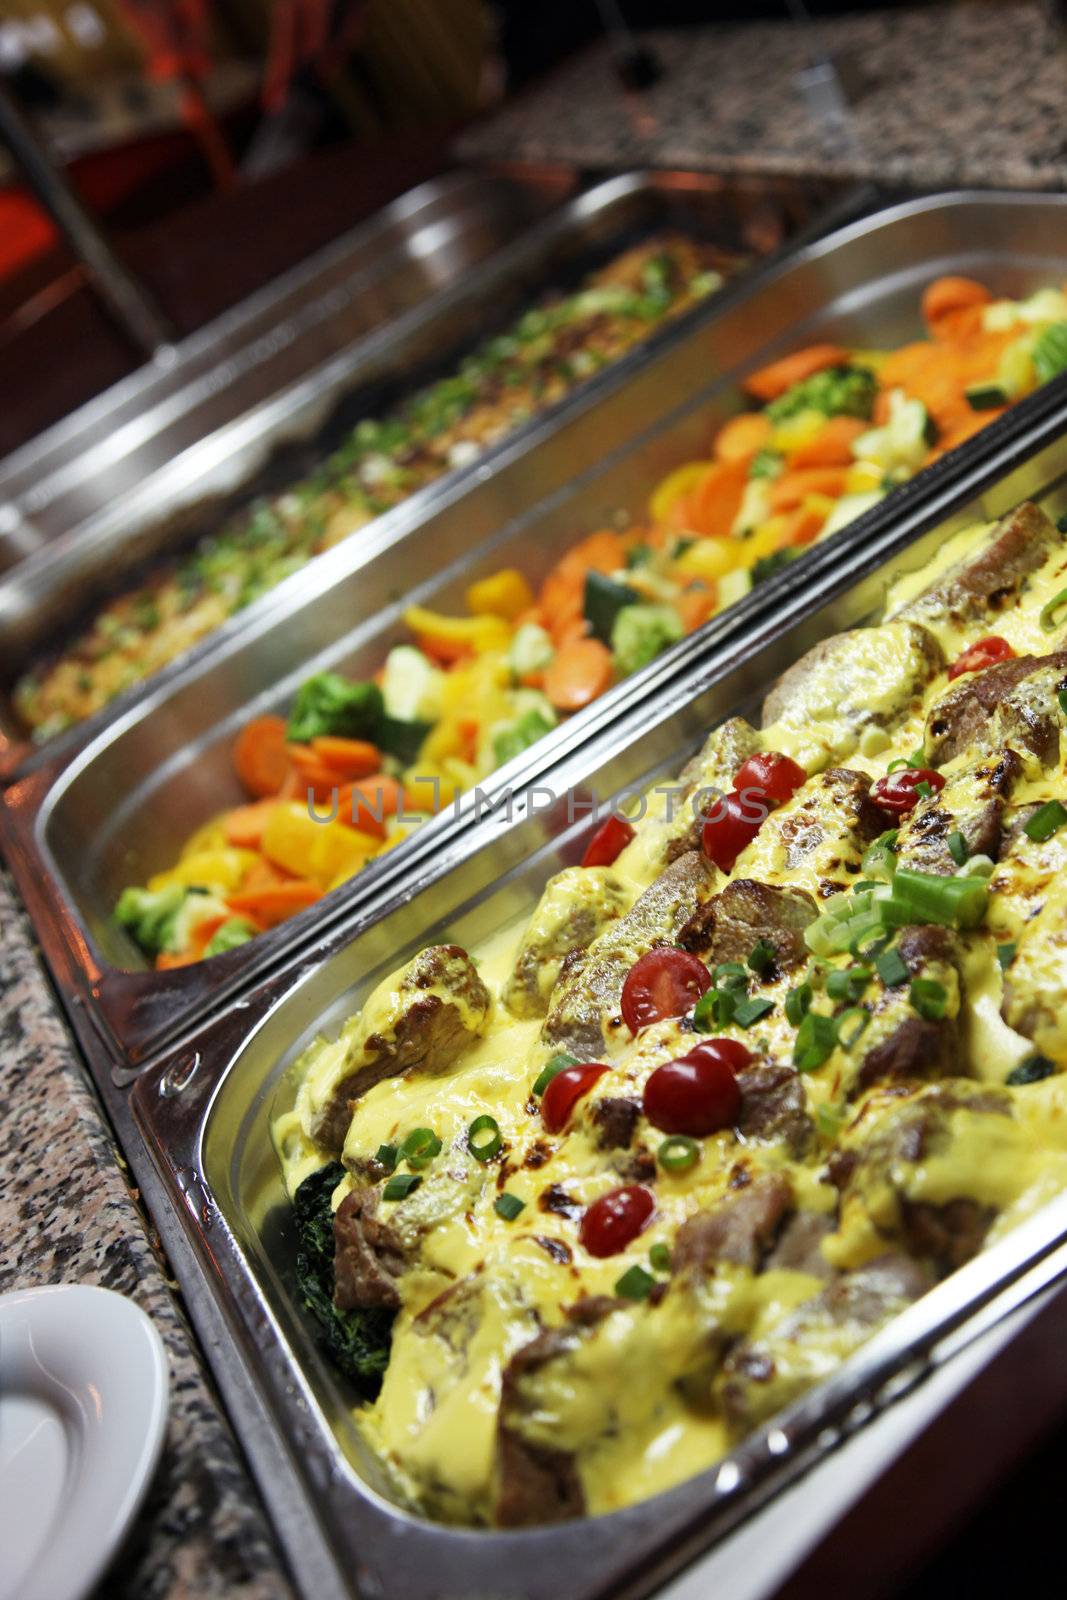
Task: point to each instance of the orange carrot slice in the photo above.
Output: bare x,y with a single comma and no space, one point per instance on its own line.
831,446
349,758
268,907
713,505
951,293
369,803
741,437
793,487
580,671
260,757
244,824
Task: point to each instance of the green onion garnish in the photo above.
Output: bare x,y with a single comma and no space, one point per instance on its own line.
929,897
763,956
849,1025
1006,954
869,943
558,1064
829,1122
815,1041
798,1003
746,1012
923,790
660,1257
1030,1070
1061,696
508,1206
1046,820
848,983
929,998
730,975
635,1284
917,757
484,1138
400,1185
891,968
714,1009
420,1147
895,766
957,848
385,1156
1050,618
678,1153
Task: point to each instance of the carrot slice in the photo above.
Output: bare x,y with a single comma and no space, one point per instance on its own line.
794,487
696,605
167,960
244,824
268,907
264,874
713,505
771,381
831,446
803,525
312,772
446,652
580,671
741,437
260,756
368,804
951,293
350,758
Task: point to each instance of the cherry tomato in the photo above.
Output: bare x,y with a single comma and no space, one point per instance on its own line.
607,843
735,822
897,791
697,1093
774,775
566,1088
615,1220
981,654
664,983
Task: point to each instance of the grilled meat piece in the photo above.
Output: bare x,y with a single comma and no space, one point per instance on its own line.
899,1046
971,803
591,981
1012,704
774,1108
615,1119
369,1257
419,1020
799,1246
729,925
578,903
1035,983
740,1229
823,833
989,581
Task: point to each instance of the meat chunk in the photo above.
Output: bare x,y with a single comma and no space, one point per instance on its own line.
990,579
740,1229
971,803
899,1045
1027,870
369,1258
821,836
577,904
774,1108
615,1119
1035,983
709,775
729,925
760,1376
590,984
799,1246
420,1019
860,679
1012,704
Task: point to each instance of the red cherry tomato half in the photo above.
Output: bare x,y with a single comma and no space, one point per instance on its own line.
698,1093
981,654
734,822
774,775
615,1220
898,791
567,1087
607,843
664,983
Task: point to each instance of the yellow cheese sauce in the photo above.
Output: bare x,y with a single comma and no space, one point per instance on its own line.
638,1401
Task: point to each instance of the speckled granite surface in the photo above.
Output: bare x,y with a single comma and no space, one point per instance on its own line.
67,1216
942,95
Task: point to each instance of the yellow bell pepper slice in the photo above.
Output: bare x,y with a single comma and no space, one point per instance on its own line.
710,559
479,633
320,851
503,594
222,870
798,430
673,487
211,836
764,541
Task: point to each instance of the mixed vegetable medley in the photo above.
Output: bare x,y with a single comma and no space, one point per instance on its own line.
508,379
833,432
582,1208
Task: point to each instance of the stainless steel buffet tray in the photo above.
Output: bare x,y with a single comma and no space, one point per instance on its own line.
244,432
204,1115
77,833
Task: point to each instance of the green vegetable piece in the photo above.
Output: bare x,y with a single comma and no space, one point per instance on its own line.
767,566
957,848
891,968
985,396
635,1284
386,1157
815,1041
640,633
748,1011
511,742
928,897
798,1004
558,1064
419,1148
357,1342
1032,1069
329,704
660,1257
678,1153
508,1206
151,915
484,1138
400,1185
766,463
849,1025
844,391
929,998
402,739
1049,354
235,931
638,555
763,957
1046,820
1006,954
715,1009
848,983
604,599
1051,614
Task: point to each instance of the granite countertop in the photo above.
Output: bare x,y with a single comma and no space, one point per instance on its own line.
948,94
68,1215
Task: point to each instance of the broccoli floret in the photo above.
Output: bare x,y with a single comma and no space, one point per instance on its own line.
641,633
235,931
356,1341
328,703
836,392
766,464
1050,352
520,735
151,916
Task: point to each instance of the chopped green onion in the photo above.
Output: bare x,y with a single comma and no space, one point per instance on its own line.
660,1257
868,945
635,1284
815,1041
508,1206
1046,820
798,1003
892,968
714,1009
1032,1069
957,848
923,790
848,983
898,764
400,1185
763,956
678,1153
385,1156
917,757
929,998
730,975
929,897
1050,613
849,1025
558,1064
420,1147
884,845
484,1149
1006,954
829,1122
746,1012
1061,696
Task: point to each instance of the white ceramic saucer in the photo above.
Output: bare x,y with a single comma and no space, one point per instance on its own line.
83,1408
